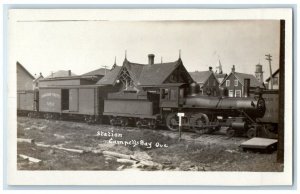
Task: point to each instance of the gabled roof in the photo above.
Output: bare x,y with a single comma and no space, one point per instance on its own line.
242,76
157,73
134,69
201,76
21,66
142,74
60,73
273,75
100,71
110,77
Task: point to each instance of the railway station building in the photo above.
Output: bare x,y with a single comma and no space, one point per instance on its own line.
135,76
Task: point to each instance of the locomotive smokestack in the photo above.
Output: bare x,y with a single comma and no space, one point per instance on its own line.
210,68
69,73
246,88
151,59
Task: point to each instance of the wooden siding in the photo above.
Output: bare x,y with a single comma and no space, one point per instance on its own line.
24,80
44,83
211,85
232,86
50,100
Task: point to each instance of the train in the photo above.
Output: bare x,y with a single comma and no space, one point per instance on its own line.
253,114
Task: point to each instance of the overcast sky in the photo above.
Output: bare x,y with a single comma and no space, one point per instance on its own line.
84,46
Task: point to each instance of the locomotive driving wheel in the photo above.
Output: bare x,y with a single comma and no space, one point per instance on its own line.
199,122
172,122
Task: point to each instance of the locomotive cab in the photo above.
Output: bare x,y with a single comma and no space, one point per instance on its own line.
172,95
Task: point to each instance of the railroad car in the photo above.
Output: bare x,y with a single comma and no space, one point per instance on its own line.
271,117
125,107
80,102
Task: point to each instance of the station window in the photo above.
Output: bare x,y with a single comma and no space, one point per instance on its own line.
165,94
227,83
173,94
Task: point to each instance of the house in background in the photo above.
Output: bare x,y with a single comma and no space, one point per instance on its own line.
24,78
208,82
275,77
234,83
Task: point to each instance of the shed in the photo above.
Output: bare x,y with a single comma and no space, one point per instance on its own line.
24,78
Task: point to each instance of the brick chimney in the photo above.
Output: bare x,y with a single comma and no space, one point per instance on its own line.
233,69
151,59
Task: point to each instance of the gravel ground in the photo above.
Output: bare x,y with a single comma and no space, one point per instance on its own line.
194,152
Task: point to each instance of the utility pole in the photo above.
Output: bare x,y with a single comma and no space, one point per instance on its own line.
269,58
105,66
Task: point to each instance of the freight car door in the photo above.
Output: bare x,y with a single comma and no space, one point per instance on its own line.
73,100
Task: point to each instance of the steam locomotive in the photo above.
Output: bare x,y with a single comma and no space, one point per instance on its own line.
203,114
250,115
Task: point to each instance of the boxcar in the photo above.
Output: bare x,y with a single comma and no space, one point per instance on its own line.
84,101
